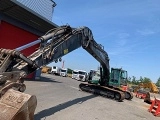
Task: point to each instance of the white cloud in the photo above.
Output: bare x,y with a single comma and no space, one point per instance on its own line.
124,47
146,32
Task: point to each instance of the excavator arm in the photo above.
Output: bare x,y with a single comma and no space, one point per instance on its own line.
76,38
55,44
14,67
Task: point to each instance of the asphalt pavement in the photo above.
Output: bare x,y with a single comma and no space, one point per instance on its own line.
59,98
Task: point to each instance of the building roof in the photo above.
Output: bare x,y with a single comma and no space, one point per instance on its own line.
25,15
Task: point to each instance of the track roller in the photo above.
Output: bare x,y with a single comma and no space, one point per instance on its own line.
128,95
103,91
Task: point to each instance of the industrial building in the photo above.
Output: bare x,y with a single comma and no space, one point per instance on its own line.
23,21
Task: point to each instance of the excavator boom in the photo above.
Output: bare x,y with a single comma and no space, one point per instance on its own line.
14,67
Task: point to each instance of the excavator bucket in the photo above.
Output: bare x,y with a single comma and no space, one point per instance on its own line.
15,105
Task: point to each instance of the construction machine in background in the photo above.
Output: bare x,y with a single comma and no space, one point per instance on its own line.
14,67
148,85
147,91
46,69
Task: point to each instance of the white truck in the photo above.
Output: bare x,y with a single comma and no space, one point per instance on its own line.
81,76
56,70
74,74
63,72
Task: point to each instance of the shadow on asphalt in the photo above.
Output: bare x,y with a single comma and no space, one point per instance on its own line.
52,110
43,79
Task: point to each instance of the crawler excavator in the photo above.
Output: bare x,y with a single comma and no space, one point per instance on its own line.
118,79
14,67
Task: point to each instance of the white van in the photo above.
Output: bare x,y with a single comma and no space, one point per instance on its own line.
63,72
74,74
82,75
56,70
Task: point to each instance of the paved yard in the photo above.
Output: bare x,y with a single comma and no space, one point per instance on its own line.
59,98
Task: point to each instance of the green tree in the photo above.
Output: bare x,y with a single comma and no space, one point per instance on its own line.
141,79
146,80
134,80
158,82
129,80
69,71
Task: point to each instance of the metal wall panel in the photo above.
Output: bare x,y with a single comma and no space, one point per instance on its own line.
41,7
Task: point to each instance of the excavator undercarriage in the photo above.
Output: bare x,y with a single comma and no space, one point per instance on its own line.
103,91
107,91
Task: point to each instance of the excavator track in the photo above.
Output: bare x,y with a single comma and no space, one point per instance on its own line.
128,94
103,91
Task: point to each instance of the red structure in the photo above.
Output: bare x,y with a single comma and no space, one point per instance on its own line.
12,37
140,95
20,25
155,107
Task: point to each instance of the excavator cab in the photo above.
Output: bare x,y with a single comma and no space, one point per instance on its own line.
118,78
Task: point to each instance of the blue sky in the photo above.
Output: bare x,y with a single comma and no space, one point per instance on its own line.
129,30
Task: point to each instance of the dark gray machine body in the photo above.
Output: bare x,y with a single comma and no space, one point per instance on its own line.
55,44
